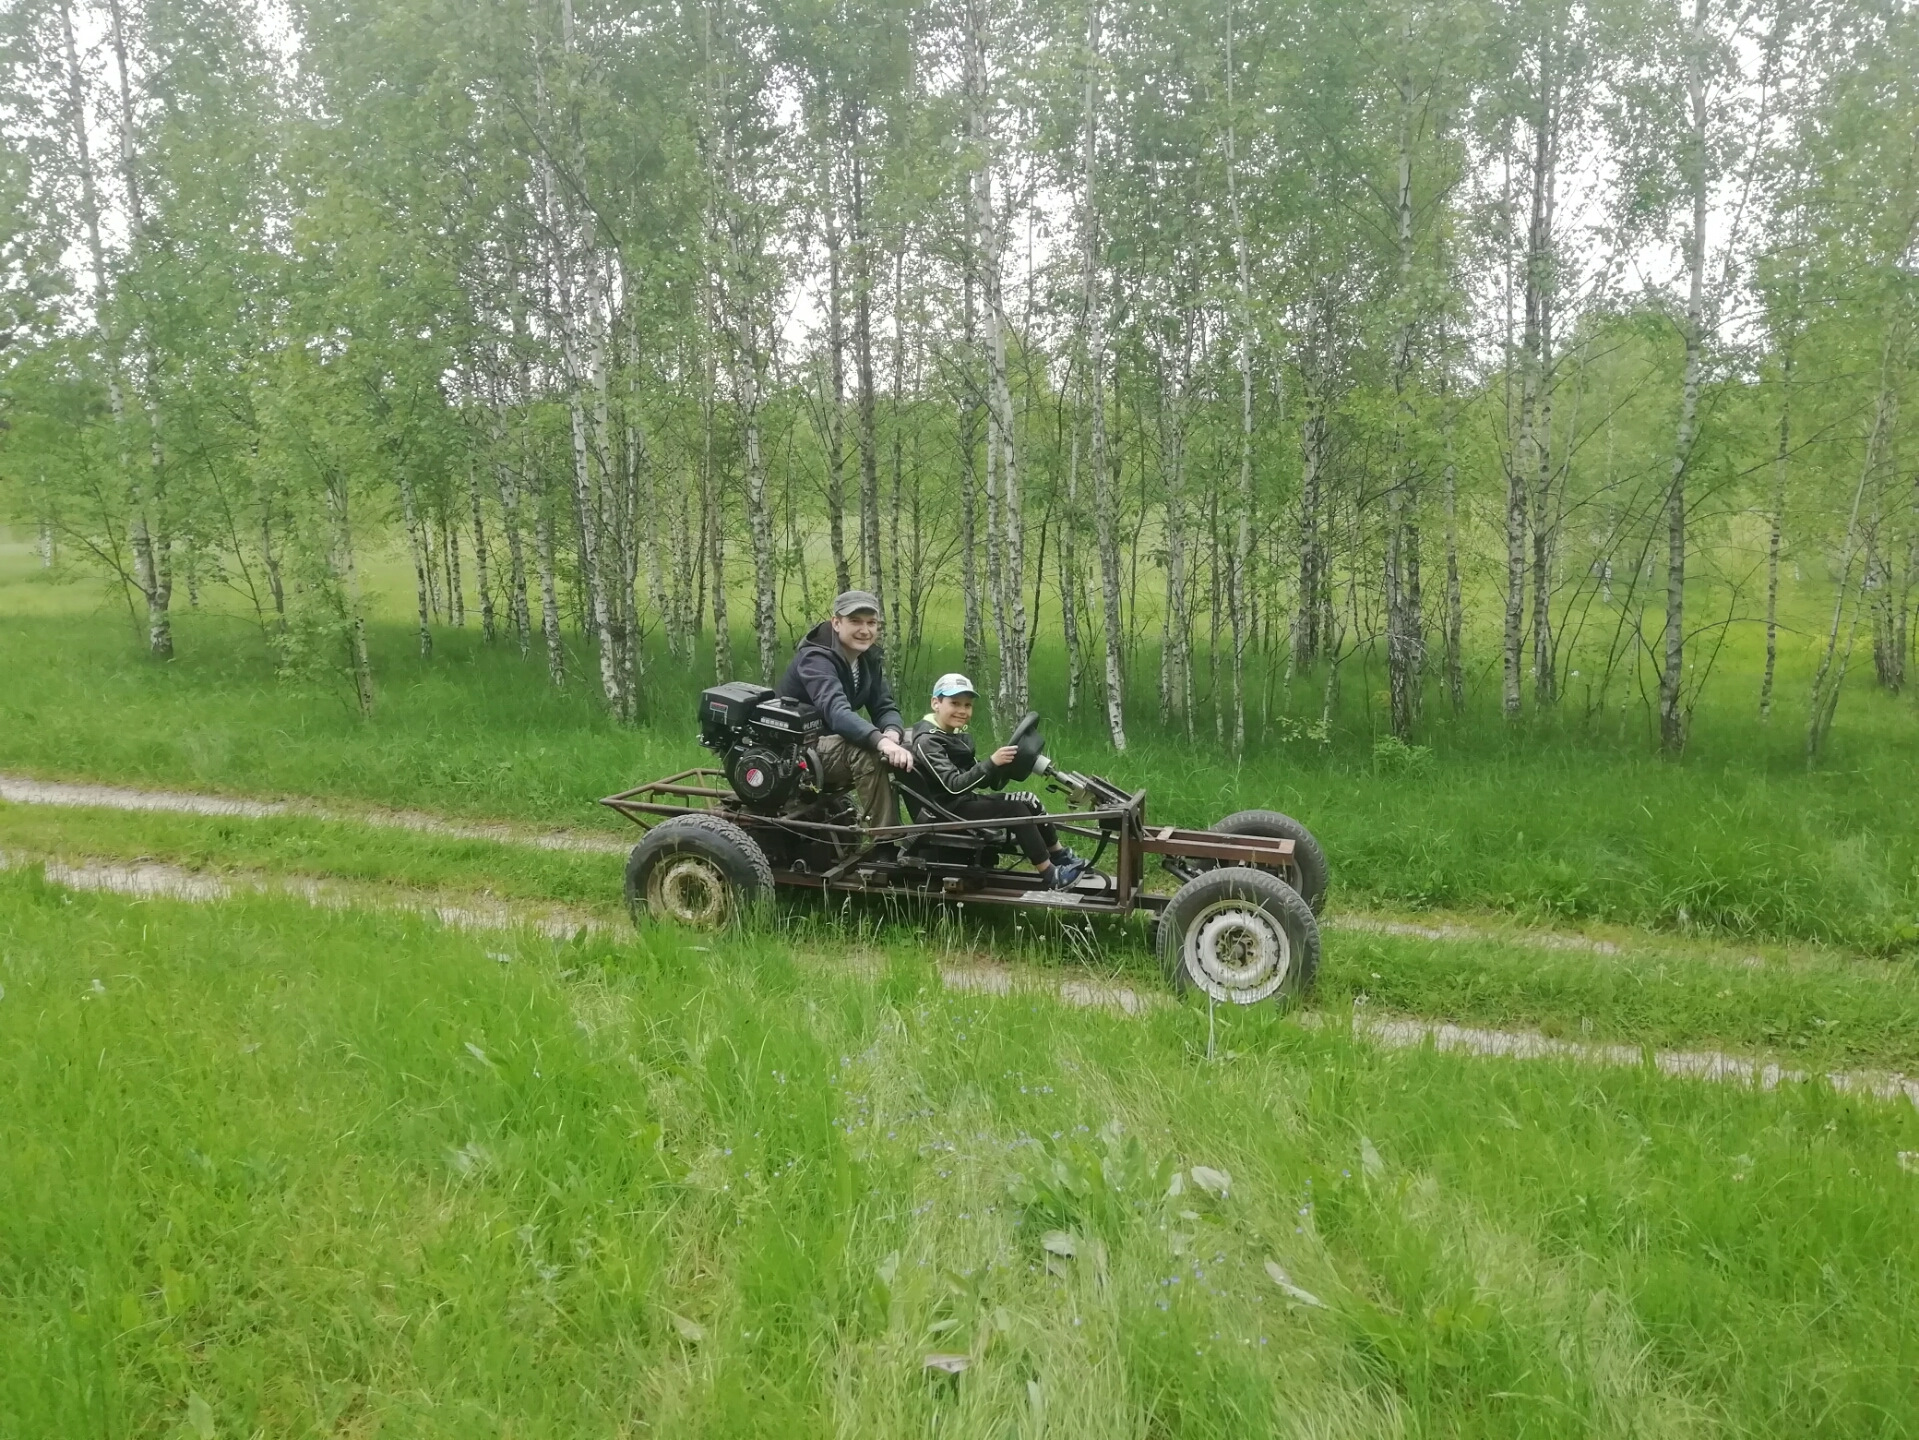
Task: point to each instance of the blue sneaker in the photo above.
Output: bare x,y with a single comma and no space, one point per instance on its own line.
1066,872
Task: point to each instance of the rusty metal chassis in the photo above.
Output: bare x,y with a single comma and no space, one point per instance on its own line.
1121,820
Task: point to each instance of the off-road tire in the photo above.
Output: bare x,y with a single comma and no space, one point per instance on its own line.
697,870
1240,935
1311,875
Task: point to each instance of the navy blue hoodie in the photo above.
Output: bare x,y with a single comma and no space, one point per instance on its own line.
824,678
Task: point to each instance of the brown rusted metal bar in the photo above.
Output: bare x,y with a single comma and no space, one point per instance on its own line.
1205,845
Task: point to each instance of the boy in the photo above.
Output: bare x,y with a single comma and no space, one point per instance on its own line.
947,771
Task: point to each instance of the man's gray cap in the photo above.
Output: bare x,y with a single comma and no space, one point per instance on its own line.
853,600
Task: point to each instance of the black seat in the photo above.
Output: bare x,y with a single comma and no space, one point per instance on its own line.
983,846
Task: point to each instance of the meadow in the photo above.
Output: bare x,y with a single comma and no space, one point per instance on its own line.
273,1169
267,1171
1571,819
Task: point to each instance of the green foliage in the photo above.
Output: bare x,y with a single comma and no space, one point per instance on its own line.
262,1167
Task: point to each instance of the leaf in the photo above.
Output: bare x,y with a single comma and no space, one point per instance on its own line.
1293,1292
1215,1183
200,1416
691,1331
946,1364
1058,1242
1370,1160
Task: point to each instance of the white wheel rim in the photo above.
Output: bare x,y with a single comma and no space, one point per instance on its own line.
688,889
1236,952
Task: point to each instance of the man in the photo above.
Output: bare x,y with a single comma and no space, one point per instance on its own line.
839,671
948,773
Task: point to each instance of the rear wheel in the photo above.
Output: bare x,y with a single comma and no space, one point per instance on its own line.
1308,874
1240,935
699,871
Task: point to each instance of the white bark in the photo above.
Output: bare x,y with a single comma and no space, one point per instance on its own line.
1672,731
1240,576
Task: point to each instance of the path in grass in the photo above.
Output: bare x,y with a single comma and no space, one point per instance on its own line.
25,790
151,879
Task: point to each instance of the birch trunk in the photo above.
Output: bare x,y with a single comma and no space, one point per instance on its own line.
410,517
985,248
973,625
1830,677
901,588
748,385
1517,449
1239,578
1175,663
346,576
1402,677
1672,721
1069,572
510,522
549,588
455,582
151,534
482,570
1455,611
1781,461
1539,320
103,318
872,571
1106,521
1312,619
760,517
834,404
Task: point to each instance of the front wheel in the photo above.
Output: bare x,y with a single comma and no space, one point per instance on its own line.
1240,935
697,870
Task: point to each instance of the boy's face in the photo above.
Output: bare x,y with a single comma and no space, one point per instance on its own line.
953,712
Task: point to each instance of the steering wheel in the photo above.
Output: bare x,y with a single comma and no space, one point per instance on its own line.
1030,744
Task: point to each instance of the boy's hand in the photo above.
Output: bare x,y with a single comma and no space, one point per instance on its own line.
1005,755
895,754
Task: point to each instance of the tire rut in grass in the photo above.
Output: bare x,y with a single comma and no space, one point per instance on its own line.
153,880
26,790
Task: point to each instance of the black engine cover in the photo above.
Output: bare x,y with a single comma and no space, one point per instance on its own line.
763,777
764,740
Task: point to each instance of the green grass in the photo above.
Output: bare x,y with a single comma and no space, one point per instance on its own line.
1569,821
270,1171
1811,1007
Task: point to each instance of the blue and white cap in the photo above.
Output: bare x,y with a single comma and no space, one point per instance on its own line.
953,683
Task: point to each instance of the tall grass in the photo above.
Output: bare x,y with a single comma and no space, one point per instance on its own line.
1571,818
267,1171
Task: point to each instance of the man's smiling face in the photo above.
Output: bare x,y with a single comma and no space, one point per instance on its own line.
857,632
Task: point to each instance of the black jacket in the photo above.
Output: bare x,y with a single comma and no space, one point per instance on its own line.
946,760
822,677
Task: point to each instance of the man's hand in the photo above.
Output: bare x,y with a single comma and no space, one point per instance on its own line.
895,754
1004,756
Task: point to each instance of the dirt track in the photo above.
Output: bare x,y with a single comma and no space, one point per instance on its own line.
151,880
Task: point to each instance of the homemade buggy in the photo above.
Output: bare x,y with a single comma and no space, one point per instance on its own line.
1240,925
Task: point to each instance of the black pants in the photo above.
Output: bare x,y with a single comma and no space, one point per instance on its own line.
1037,839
